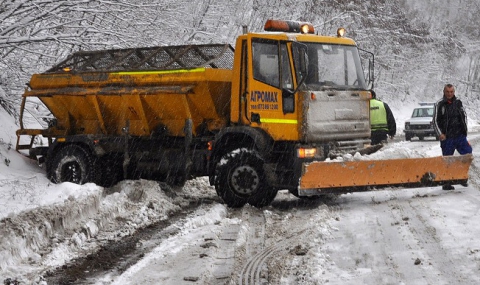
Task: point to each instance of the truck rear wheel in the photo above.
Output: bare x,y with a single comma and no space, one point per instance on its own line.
240,179
72,164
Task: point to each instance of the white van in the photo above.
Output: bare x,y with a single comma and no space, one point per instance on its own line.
421,123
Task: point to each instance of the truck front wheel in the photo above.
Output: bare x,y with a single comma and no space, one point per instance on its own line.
240,179
72,164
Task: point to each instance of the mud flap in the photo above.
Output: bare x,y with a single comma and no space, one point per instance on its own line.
351,176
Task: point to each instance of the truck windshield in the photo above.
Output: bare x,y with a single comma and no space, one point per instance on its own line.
334,67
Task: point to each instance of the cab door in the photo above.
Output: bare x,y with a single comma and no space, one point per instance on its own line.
270,101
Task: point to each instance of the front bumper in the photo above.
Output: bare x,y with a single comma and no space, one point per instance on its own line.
425,132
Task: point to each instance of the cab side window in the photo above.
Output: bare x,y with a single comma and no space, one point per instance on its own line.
265,62
287,81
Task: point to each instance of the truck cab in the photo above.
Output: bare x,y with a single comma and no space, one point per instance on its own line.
301,87
296,97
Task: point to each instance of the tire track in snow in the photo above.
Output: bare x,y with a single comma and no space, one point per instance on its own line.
253,232
370,255
438,258
255,269
397,245
253,273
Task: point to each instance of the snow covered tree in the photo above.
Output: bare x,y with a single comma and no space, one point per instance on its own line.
409,38
34,34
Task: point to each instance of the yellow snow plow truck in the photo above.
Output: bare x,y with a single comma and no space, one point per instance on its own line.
255,119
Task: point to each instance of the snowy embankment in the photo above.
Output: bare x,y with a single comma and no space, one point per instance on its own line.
44,225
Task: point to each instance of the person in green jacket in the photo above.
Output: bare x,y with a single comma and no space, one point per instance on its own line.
382,121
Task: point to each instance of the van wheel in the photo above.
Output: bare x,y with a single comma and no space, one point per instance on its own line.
73,164
240,179
408,137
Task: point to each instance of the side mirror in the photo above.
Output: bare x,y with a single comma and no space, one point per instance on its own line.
288,99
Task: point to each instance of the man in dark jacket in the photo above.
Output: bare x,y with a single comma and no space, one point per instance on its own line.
450,122
382,121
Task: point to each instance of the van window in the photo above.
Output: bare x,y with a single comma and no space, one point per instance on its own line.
422,112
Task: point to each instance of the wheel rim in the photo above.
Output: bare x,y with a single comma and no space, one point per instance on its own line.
72,172
245,180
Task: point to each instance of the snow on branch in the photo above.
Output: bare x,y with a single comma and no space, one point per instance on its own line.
32,21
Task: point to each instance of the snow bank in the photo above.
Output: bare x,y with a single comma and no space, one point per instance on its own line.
397,150
77,219
24,235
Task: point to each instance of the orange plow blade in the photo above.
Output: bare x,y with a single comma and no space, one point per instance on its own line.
350,176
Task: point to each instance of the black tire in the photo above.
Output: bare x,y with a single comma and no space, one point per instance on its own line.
74,164
421,138
240,179
408,137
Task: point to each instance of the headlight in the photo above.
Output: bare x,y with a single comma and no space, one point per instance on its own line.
341,32
306,152
407,126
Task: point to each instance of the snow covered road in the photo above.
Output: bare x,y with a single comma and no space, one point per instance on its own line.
398,236
393,236
413,236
